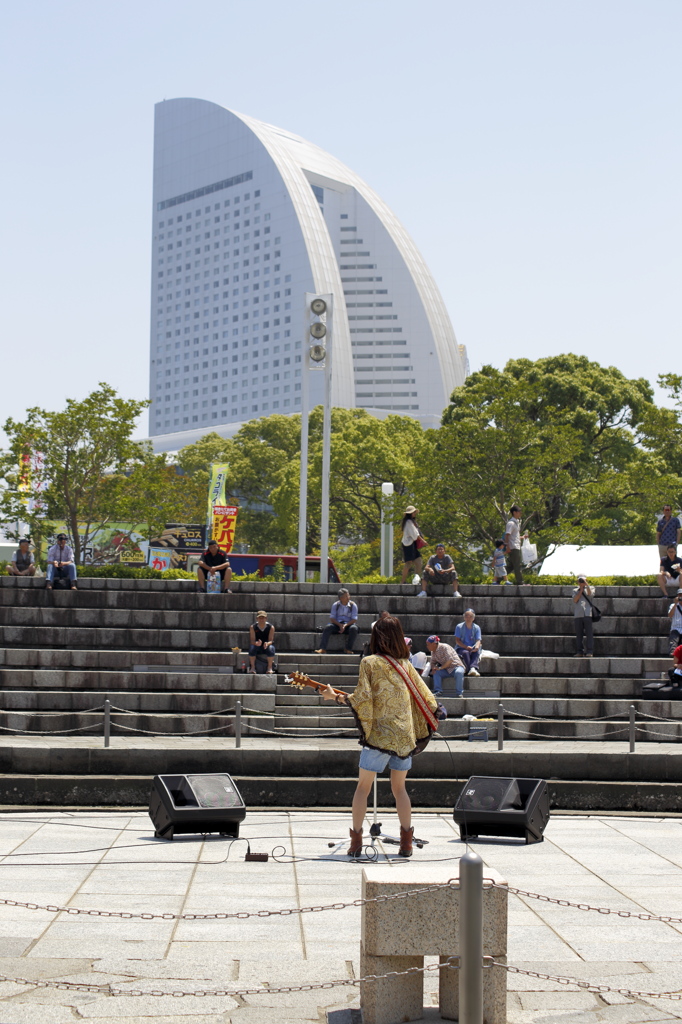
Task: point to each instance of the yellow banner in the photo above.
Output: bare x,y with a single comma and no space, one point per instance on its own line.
224,524
216,487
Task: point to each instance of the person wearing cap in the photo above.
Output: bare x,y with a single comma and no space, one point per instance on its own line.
675,616
60,561
343,618
468,642
410,536
445,663
582,618
417,658
22,563
214,561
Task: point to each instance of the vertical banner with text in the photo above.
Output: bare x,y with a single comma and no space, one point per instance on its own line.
216,490
224,524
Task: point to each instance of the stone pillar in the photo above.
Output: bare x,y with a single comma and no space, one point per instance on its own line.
397,934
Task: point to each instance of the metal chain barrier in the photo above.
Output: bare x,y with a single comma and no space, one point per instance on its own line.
589,986
49,732
114,990
452,883
643,916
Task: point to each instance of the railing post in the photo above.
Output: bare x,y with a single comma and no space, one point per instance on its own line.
500,726
471,939
238,724
632,728
107,721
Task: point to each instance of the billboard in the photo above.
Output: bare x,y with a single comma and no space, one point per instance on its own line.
224,524
178,540
111,544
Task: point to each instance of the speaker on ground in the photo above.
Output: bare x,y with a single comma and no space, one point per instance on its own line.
514,808
181,804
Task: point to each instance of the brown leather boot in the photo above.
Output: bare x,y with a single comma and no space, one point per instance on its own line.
355,848
406,837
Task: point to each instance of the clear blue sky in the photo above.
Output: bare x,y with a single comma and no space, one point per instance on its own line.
531,148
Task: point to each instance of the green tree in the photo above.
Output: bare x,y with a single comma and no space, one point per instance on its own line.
565,438
82,450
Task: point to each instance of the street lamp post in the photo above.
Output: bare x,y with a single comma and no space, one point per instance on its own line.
386,534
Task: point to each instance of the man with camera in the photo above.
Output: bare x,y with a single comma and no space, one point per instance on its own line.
675,616
582,618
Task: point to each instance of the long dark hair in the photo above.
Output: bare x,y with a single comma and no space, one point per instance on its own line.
407,516
388,638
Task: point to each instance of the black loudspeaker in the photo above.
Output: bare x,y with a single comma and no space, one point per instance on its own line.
503,807
179,804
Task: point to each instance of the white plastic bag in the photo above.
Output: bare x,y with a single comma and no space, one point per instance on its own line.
213,583
416,579
489,654
529,552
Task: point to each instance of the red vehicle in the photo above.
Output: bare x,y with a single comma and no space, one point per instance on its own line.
264,565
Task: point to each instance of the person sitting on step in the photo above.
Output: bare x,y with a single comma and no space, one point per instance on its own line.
22,563
468,642
445,663
440,569
343,618
261,641
61,563
214,562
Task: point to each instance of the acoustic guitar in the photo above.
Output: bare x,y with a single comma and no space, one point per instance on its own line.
299,680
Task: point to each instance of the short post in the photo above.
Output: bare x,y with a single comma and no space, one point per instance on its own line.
107,721
500,726
632,728
471,939
238,724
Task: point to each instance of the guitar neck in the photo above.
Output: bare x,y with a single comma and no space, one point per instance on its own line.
323,686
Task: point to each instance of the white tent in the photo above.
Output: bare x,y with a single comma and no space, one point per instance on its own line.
602,560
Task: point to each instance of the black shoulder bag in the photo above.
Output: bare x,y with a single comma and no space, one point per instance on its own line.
596,614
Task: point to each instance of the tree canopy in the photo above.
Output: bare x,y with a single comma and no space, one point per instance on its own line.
585,451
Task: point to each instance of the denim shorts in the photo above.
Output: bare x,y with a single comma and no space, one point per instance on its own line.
376,760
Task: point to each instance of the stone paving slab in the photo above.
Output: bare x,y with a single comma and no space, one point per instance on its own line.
111,861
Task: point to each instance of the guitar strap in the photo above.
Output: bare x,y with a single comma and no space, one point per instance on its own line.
426,711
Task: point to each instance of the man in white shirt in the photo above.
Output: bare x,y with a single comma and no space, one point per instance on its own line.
675,616
60,562
512,540
343,618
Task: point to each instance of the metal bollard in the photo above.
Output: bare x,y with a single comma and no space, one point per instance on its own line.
500,726
632,728
107,721
471,939
238,724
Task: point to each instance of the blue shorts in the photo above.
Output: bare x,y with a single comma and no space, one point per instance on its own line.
376,760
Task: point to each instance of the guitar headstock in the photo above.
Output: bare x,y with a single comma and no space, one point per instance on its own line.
299,680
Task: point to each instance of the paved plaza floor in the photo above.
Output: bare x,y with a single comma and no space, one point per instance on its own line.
109,860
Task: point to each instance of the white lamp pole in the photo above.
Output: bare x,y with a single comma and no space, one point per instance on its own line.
303,483
386,534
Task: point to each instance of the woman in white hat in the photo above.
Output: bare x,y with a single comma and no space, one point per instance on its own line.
411,533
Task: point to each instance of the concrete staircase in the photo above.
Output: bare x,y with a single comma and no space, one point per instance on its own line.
162,654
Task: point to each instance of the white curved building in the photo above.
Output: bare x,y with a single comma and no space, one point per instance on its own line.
247,218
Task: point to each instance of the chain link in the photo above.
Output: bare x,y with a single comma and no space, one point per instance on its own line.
587,906
589,986
113,990
452,883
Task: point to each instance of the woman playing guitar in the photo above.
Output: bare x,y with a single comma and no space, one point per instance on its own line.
396,714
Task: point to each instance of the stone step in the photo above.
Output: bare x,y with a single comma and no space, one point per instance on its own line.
535,589
103,681
224,640
175,702
597,760
294,621
133,791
